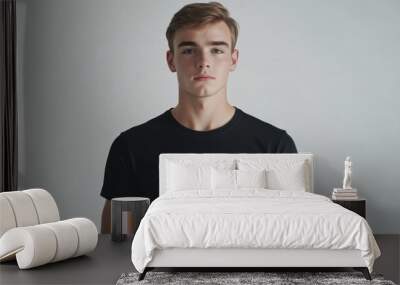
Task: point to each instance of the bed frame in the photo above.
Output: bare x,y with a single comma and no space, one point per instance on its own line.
248,259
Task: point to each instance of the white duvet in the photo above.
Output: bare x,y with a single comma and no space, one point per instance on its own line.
250,218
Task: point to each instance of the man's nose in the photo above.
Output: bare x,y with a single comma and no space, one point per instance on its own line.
203,60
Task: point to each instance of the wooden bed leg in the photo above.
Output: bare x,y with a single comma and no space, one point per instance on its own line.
364,271
142,275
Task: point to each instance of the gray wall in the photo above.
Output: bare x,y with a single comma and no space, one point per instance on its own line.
326,71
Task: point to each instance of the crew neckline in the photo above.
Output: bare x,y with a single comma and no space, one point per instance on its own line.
222,128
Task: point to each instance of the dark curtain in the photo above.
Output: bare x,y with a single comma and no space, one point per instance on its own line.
8,115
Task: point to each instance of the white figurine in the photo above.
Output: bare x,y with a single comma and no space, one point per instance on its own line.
347,174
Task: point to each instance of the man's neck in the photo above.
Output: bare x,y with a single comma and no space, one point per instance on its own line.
203,116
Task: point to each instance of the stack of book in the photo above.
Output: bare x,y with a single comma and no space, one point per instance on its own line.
344,194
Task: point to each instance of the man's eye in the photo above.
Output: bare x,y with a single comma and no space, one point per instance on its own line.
187,51
217,50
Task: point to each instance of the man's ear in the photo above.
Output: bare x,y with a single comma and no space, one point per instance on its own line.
235,58
170,61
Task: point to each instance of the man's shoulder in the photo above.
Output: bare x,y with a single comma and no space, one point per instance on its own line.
148,126
280,140
140,132
258,125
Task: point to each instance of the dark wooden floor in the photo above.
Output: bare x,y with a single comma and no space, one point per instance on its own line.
389,262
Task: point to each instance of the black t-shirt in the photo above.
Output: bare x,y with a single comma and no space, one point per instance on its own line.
132,164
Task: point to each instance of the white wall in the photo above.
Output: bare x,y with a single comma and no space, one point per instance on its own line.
326,71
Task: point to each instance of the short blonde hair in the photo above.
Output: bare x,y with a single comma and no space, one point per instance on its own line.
199,14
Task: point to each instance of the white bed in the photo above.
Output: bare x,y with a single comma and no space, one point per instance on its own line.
288,226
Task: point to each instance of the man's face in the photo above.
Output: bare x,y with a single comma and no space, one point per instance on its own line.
203,51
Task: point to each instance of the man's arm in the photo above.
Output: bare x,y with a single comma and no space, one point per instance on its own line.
106,218
119,180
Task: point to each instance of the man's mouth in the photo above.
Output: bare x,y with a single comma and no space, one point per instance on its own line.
203,77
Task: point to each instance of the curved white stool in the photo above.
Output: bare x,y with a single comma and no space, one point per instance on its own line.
46,243
30,230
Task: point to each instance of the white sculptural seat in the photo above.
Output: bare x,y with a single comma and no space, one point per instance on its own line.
31,231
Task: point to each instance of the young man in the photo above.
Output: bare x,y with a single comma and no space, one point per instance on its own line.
201,39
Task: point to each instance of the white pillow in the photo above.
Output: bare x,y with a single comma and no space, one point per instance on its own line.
189,174
251,178
283,174
188,177
237,179
223,179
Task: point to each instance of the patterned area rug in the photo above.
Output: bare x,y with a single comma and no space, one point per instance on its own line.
270,278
